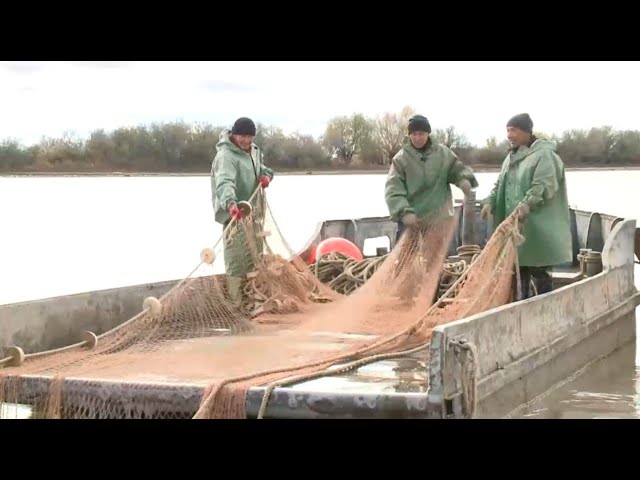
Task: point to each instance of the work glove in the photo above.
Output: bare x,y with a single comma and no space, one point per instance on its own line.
523,212
465,186
235,212
485,213
264,181
409,219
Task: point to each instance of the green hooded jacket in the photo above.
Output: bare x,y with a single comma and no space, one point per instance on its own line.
419,181
234,175
535,175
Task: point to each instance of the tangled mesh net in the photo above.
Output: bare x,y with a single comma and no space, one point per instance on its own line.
290,324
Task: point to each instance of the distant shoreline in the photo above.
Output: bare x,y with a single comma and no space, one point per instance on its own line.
477,169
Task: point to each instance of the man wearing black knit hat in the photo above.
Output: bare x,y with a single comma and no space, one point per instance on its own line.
418,187
236,172
533,181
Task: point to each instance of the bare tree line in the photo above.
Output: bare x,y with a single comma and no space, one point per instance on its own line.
349,142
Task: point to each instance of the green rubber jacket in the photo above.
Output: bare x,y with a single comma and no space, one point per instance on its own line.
419,181
234,175
535,175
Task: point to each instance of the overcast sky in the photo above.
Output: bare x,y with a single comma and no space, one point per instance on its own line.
50,98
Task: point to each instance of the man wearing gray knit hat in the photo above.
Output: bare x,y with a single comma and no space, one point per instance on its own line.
533,181
418,188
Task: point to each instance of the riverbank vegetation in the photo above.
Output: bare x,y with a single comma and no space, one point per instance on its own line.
353,142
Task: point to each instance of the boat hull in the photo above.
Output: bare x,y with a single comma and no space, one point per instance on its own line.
523,348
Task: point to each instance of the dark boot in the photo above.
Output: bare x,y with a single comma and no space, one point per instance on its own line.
543,281
234,286
525,280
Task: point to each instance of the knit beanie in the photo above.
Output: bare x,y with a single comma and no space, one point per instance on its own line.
522,121
419,123
244,126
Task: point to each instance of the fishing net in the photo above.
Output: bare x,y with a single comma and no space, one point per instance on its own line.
290,325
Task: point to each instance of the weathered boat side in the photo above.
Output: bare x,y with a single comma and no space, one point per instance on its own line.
525,348
59,321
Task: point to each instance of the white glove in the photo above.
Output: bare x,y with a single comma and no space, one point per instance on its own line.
409,219
465,186
485,213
